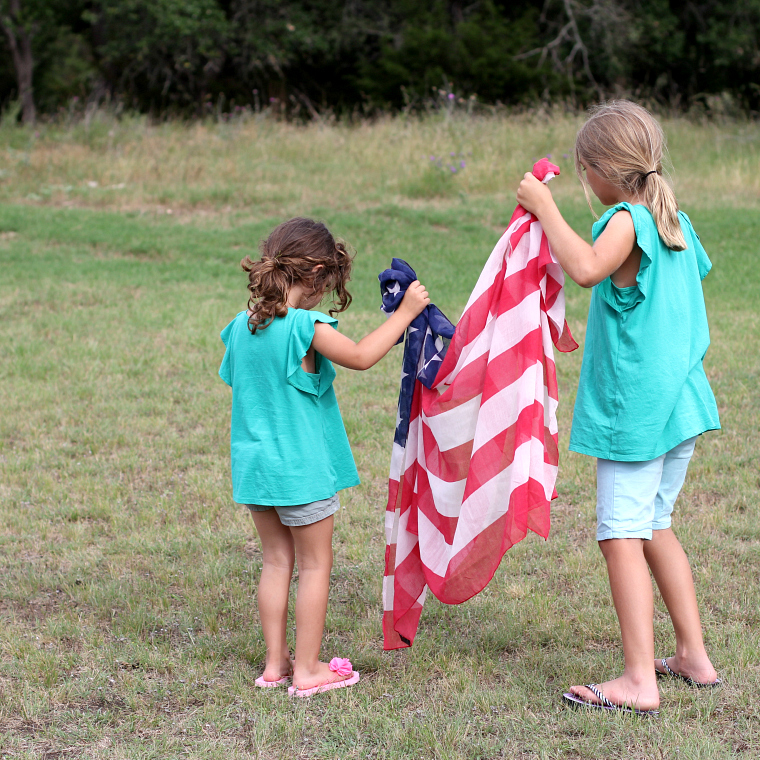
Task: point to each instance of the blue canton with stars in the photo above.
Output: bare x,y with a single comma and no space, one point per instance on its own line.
427,339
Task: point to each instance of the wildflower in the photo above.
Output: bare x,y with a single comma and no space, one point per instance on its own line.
462,164
451,96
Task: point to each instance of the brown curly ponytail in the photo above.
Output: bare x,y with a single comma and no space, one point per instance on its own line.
297,251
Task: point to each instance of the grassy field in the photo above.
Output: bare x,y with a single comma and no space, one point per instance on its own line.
128,626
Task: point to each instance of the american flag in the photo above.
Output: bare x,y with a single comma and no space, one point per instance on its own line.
475,454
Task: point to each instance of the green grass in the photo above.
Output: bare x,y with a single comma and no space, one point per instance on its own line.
128,624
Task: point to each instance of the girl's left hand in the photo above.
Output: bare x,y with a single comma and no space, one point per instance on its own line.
533,195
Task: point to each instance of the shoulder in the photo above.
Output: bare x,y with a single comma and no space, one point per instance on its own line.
694,243
619,217
686,224
237,318
241,318
617,226
620,221
636,212
632,217
310,319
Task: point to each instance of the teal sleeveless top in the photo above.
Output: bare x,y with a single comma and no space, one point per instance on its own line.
643,389
287,441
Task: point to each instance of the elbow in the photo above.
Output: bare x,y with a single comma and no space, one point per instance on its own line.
365,363
360,362
586,278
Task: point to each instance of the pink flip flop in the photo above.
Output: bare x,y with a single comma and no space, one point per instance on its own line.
262,684
339,665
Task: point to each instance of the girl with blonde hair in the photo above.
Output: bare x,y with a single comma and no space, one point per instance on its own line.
643,396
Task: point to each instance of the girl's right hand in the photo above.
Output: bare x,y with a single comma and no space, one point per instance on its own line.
533,195
414,301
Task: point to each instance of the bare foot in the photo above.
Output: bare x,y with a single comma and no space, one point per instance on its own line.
278,670
698,669
317,676
624,693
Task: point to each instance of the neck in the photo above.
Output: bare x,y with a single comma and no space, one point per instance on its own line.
631,198
295,294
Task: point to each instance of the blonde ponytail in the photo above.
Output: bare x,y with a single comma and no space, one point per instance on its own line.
661,201
623,142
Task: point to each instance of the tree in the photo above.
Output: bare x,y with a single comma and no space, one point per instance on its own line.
303,56
29,27
19,26
422,47
164,53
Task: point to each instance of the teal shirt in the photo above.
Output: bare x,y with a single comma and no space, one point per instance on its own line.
287,441
643,389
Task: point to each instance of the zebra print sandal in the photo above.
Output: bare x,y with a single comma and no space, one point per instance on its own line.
573,700
669,672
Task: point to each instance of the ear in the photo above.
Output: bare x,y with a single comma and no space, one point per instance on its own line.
316,269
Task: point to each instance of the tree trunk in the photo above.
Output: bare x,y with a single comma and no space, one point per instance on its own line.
20,42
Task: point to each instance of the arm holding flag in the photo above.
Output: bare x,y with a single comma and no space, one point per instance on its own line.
586,264
373,347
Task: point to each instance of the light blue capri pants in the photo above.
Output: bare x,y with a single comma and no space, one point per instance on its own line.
635,498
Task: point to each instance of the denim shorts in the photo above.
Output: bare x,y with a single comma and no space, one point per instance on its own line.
635,498
302,514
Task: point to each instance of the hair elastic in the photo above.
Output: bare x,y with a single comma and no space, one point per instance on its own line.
654,171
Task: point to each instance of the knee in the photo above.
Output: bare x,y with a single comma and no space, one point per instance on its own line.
280,560
604,546
316,562
613,547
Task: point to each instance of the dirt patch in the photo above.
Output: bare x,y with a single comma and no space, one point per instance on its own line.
703,499
20,727
46,604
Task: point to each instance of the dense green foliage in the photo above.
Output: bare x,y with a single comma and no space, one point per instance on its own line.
303,56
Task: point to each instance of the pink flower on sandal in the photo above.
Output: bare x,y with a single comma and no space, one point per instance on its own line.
341,666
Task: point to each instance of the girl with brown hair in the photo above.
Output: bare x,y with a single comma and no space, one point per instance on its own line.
643,396
289,450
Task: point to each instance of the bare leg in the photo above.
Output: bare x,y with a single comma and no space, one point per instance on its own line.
671,571
632,595
314,552
274,586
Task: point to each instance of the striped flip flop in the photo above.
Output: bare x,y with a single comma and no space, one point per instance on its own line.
669,672
573,700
